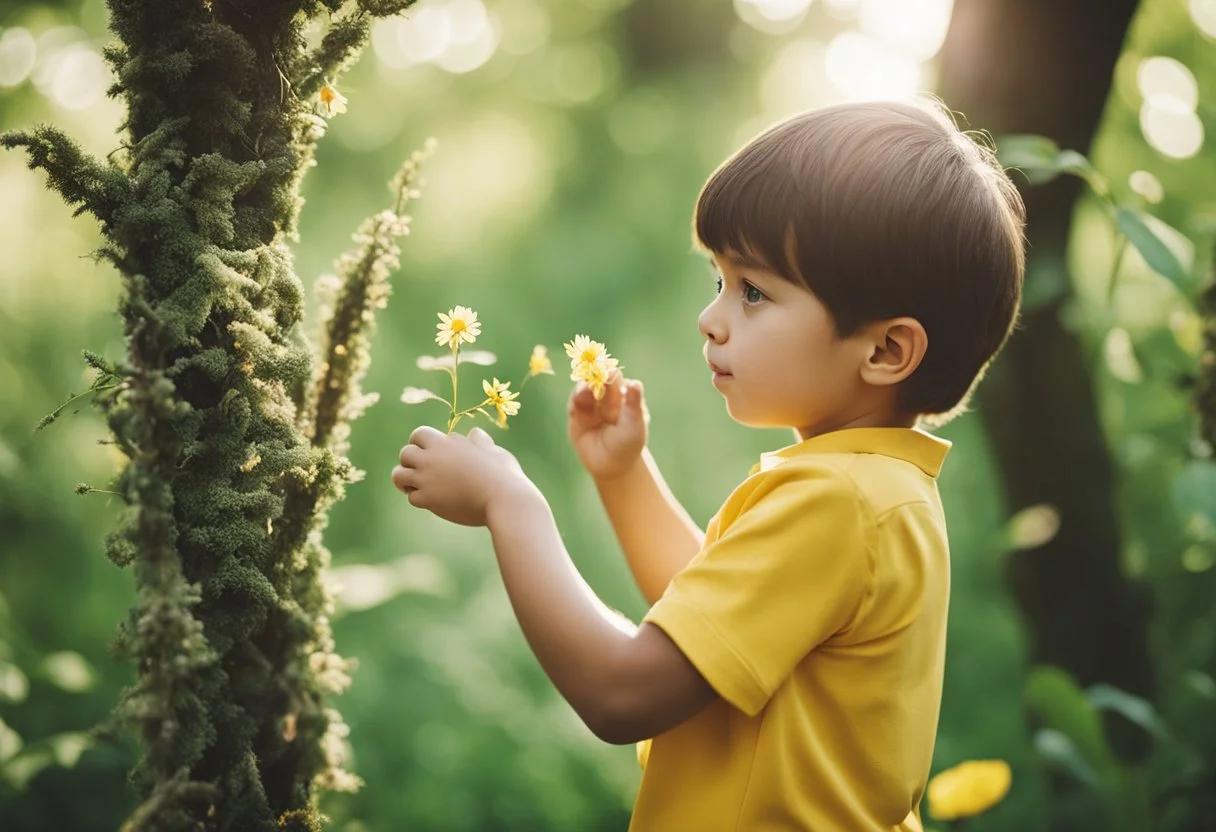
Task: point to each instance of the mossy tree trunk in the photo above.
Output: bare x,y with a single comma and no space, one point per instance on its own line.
234,433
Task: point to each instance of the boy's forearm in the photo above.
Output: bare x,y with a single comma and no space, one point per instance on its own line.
655,532
578,640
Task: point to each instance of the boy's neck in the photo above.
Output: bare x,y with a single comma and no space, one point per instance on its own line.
866,420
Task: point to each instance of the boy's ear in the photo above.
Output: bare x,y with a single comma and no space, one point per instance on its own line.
896,348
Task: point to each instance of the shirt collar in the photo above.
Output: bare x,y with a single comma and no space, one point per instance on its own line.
923,450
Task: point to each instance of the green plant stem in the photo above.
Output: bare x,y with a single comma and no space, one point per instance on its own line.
54,414
1116,267
455,367
469,411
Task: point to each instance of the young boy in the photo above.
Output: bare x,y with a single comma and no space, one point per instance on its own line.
870,262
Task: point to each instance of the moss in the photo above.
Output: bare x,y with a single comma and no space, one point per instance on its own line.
234,432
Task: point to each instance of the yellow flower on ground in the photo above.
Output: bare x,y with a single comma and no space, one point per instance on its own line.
333,101
539,362
458,327
502,399
590,363
968,789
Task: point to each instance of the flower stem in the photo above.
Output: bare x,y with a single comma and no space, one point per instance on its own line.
455,366
469,411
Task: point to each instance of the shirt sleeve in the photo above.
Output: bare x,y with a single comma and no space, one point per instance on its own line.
787,573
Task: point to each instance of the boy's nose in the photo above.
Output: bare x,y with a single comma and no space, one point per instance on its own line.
711,324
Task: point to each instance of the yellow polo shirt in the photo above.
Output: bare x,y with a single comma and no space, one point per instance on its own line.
817,610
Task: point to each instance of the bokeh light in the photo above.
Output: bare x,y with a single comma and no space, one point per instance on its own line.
773,17
1167,117
913,28
1162,76
18,51
864,69
1146,185
457,35
1203,12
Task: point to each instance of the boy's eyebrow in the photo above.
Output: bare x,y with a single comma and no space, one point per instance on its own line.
746,261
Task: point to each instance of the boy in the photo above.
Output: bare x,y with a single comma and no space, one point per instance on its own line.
870,262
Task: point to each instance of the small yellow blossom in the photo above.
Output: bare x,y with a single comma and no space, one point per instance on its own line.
333,101
539,362
968,789
502,399
590,363
582,350
594,375
458,327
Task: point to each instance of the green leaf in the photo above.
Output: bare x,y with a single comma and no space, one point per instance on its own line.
1135,226
1041,160
1060,752
1135,709
1028,152
1062,706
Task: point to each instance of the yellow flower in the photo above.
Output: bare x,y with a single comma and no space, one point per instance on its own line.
582,350
590,363
333,101
968,789
502,399
595,376
458,327
539,362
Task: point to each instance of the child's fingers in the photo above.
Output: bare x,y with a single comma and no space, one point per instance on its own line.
403,478
582,401
633,394
610,402
480,438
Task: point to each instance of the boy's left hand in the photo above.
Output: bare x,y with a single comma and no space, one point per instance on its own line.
457,477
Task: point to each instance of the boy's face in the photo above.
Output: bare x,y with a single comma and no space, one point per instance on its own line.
775,354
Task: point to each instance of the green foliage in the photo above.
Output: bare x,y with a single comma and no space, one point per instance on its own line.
1041,161
1136,797
1170,790
570,164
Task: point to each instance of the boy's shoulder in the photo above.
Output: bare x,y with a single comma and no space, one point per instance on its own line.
878,468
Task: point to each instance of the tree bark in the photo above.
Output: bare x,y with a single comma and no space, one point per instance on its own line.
1045,67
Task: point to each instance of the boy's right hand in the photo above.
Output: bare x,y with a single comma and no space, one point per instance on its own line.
608,434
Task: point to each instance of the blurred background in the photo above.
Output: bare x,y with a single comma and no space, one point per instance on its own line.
573,136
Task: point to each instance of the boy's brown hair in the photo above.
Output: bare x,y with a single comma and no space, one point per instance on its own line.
882,210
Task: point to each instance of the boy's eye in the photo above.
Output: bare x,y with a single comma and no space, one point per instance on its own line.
718,285
751,294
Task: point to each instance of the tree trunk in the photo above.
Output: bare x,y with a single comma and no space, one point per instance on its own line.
1045,67
233,459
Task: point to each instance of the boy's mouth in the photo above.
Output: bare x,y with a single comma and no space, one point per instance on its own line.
719,373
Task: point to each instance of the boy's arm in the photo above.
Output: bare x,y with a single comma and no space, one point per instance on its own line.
609,435
655,532
627,683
